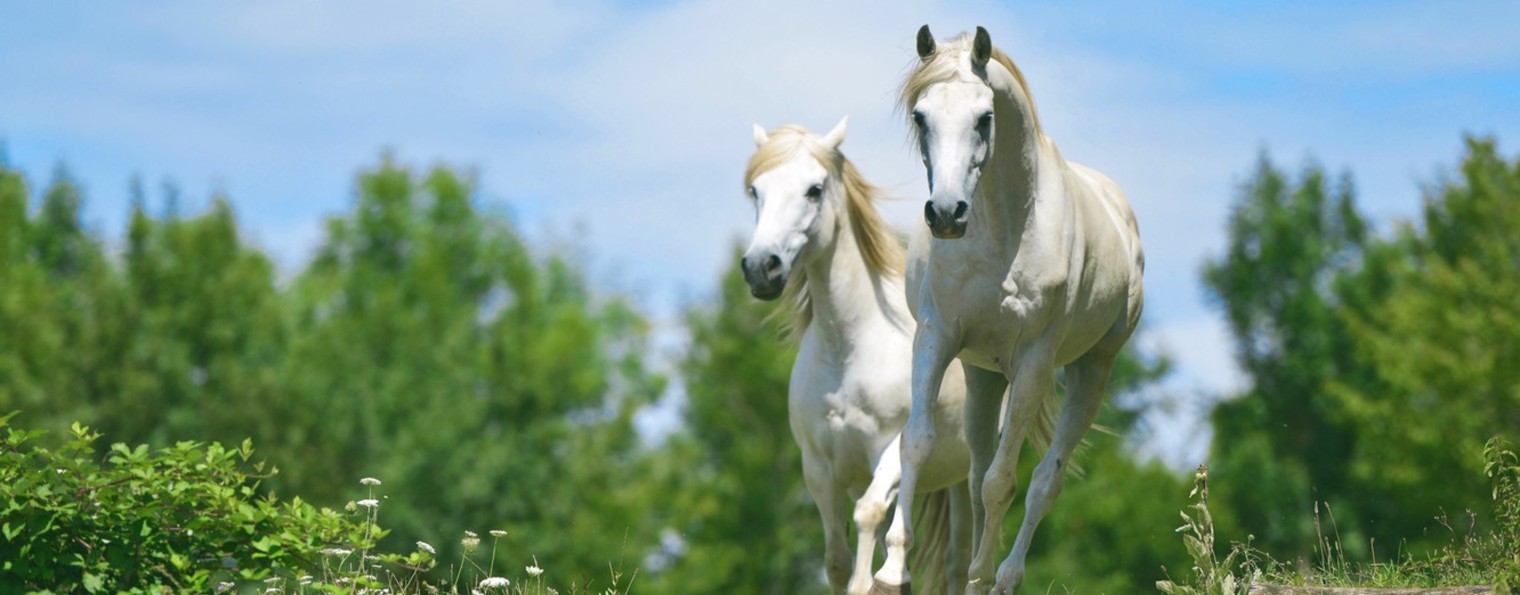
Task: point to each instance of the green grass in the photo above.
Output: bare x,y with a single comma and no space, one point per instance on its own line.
1471,558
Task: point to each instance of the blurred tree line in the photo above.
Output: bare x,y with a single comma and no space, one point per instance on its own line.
1378,363
490,387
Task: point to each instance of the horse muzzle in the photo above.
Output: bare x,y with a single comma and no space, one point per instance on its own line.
947,223
765,275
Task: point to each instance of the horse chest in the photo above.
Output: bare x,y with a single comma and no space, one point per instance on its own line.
976,303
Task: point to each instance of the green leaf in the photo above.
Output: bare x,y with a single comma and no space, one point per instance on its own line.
93,582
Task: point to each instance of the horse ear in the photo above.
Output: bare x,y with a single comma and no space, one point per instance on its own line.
925,43
760,135
835,137
981,47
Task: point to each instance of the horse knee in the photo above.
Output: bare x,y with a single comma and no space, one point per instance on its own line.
869,513
999,485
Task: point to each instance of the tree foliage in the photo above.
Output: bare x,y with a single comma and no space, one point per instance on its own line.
745,517
426,344
1378,364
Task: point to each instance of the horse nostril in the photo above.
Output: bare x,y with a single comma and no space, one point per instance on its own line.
960,209
929,212
772,263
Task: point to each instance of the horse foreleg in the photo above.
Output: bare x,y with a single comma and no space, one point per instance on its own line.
932,353
1033,379
830,498
870,510
1085,381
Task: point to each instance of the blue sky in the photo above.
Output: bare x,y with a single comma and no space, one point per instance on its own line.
625,125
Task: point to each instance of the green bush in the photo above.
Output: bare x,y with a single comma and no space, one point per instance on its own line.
180,519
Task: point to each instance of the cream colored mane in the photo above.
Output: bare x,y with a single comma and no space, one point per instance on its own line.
879,245
944,65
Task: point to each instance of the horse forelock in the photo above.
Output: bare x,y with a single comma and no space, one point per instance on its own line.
948,63
874,237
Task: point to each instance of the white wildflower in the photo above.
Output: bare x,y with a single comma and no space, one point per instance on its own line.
534,570
469,533
370,481
424,546
494,582
368,503
470,543
273,580
337,551
498,533
273,590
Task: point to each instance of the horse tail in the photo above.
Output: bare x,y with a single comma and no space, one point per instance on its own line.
931,541
1041,432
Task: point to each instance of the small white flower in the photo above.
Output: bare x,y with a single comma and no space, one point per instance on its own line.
494,582
534,570
370,481
337,551
498,533
273,580
305,580
469,533
423,545
272,590
368,503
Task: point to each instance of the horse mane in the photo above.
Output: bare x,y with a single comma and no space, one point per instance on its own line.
944,65
878,242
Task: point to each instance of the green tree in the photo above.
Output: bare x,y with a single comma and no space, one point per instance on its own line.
483,383
1285,443
59,286
191,347
745,517
1444,343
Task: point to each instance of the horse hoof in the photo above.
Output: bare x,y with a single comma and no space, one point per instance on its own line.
881,588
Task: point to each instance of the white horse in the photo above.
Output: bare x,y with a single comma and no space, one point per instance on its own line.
819,242
1035,263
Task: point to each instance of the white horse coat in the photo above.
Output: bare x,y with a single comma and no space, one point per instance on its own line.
819,241
1034,263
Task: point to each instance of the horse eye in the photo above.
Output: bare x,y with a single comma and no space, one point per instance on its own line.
985,121
815,192
753,194
918,119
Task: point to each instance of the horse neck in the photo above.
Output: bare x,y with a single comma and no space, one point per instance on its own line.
848,297
1012,178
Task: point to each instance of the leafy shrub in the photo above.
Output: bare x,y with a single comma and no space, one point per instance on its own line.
185,518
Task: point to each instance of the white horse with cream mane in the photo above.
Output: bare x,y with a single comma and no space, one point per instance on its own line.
1034,264
821,246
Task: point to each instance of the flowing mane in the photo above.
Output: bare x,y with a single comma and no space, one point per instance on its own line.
944,65
878,242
